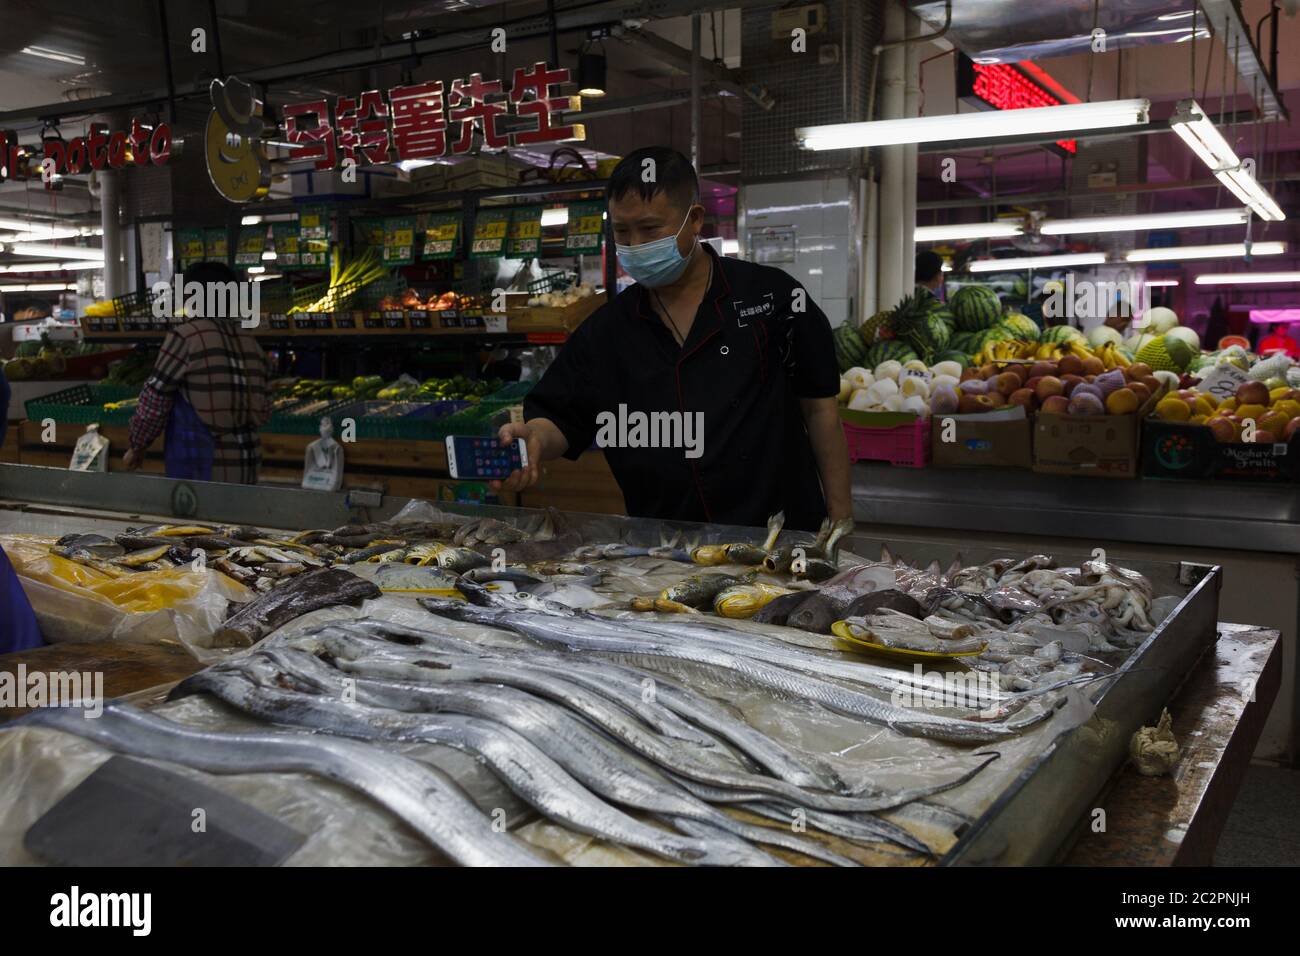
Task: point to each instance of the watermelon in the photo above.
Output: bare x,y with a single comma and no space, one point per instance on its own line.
975,307
850,350
1059,333
963,342
997,333
1021,326
895,349
952,355
940,329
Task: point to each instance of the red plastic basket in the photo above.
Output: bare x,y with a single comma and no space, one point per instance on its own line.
906,444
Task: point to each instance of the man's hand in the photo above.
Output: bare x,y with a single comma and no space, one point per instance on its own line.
527,476
132,460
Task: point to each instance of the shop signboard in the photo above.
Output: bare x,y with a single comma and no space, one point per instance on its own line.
1008,86
525,232
490,228
399,241
216,245
143,145
586,227
431,119
441,235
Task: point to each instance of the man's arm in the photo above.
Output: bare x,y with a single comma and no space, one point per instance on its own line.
822,418
156,398
544,442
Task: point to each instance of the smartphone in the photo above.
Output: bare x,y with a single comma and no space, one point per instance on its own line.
473,456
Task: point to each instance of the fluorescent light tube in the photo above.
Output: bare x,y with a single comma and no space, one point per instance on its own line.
1252,278
48,54
957,127
731,247
969,230
59,252
555,217
1038,262
1155,283
1155,220
69,266
1194,127
1227,251
39,287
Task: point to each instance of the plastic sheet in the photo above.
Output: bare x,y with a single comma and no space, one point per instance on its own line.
74,602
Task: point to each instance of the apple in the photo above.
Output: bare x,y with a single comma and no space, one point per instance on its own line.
1252,393
1138,370
1006,383
1025,397
1058,405
988,371
1048,386
1071,365
1070,382
1140,390
1222,429
1032,381
1093,366
1290,429
995,397
1042,369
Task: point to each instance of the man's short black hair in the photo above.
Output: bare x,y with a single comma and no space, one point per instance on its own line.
667,171
209,270
928,265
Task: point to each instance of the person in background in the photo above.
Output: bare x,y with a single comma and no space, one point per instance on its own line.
209,393
1279,340
737,346
929,272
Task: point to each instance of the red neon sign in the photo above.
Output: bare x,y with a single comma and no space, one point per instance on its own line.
1006,88
142,146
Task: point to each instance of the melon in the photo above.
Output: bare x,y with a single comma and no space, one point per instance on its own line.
1099,335
1186,335
895,349
1058,334
954,355
850,350
1160,320
1022,327
975,307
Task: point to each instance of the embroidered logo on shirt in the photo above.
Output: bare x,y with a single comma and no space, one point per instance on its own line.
746,312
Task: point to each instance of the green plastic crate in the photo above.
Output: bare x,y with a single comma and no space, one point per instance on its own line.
82,405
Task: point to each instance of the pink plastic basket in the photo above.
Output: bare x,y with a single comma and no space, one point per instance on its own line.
906,445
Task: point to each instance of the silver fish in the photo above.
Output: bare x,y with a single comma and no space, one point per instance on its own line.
591,635
421,796
528,772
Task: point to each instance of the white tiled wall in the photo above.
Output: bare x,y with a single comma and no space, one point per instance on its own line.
821,213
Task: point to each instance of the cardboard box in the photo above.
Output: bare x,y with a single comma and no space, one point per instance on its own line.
1101,446
998,439
1184,452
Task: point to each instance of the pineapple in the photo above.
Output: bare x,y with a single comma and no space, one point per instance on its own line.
911,322
877,327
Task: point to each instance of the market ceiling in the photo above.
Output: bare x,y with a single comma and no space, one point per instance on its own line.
289,45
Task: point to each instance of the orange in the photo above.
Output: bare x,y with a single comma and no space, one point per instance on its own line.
1123,401
1288,407
1172,409
1204,405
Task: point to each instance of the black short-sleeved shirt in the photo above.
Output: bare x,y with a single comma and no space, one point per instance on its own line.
758,344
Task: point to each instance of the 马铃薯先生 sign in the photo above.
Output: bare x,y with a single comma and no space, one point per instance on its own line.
1004,86
416,122
143,145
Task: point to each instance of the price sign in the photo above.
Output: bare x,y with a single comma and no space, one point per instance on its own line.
370,230
279,321
373,320
525,232
586,227
345,320
313,222
284,236
921,373
252,243
1223,381
189,247
441,235
399,241
314,253
419,319
490,230
302,321
216,245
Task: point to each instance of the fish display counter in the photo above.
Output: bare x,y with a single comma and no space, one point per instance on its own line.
1250,531
392,680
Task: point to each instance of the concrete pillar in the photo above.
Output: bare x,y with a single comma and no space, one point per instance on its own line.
911,109
893,160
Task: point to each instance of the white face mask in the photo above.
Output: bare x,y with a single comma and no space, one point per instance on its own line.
658,262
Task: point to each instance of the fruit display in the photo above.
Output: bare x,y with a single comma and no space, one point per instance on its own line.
563,298
1255,413
346,281
288,392
411,301
894,386
1071,385
132,370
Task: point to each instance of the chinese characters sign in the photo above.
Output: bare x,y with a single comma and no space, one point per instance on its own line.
490,230
431,119
440,232
585,227
1004,87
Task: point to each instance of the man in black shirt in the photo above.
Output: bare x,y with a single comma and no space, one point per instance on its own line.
710,384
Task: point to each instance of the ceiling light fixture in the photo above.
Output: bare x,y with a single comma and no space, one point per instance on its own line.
39,287
1037,262
591,70
1194,127
971,230
50,266
1156,220
1159,283
48,54
1229,250
58,252
1069,117
555,217
1251,278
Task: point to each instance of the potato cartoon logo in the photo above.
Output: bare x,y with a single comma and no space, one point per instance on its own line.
237,163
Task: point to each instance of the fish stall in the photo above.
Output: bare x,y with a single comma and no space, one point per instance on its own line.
394,682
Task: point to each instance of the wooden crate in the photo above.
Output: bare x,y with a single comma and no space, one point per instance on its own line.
542,319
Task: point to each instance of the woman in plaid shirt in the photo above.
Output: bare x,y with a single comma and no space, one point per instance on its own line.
208,391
